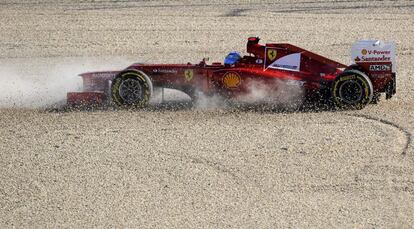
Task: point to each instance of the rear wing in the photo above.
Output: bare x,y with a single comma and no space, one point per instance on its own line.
376,55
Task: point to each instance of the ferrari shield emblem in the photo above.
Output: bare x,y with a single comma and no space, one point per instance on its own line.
188,74
271,54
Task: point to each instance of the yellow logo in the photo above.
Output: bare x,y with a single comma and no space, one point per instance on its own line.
271,54
364,52
231,80
188,74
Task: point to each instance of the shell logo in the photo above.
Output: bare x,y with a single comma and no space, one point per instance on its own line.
231,80
364,52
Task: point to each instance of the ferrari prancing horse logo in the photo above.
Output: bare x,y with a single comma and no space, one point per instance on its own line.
271,54
188,74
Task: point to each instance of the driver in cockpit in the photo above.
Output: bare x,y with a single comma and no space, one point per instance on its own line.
232,58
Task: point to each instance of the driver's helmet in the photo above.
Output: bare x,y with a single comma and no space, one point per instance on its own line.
232,58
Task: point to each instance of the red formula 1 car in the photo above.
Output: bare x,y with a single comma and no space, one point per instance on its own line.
268,70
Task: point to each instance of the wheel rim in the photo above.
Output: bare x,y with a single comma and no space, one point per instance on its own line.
130,90
351,92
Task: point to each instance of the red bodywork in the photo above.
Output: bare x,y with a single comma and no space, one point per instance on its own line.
314,73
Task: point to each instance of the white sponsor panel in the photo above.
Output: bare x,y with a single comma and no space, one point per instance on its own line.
373,51
290,62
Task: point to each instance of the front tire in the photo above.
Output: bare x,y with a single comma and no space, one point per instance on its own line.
352,89
131,89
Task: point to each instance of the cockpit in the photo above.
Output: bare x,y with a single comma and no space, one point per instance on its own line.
232,58
255,50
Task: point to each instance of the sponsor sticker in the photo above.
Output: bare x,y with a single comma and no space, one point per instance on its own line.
374,51
287,67
231,80
289,62
379,75
364,52
271,54
188,74
164,70
103,75
379,68
382,58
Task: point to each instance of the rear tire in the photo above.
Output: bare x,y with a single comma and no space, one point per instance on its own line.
131,88
352,89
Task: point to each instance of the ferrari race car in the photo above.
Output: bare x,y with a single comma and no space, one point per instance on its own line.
268,67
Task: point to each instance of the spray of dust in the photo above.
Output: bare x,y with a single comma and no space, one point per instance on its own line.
274,94
284,94
175,97
43,82
210,102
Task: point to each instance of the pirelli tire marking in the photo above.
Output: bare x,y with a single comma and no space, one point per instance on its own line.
145,88
356,78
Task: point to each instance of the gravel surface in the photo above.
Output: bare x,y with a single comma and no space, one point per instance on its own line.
184,167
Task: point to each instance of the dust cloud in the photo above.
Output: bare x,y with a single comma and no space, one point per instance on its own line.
275,93
278,94
44,82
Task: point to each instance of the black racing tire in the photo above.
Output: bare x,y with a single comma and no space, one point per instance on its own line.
131,88
352,89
